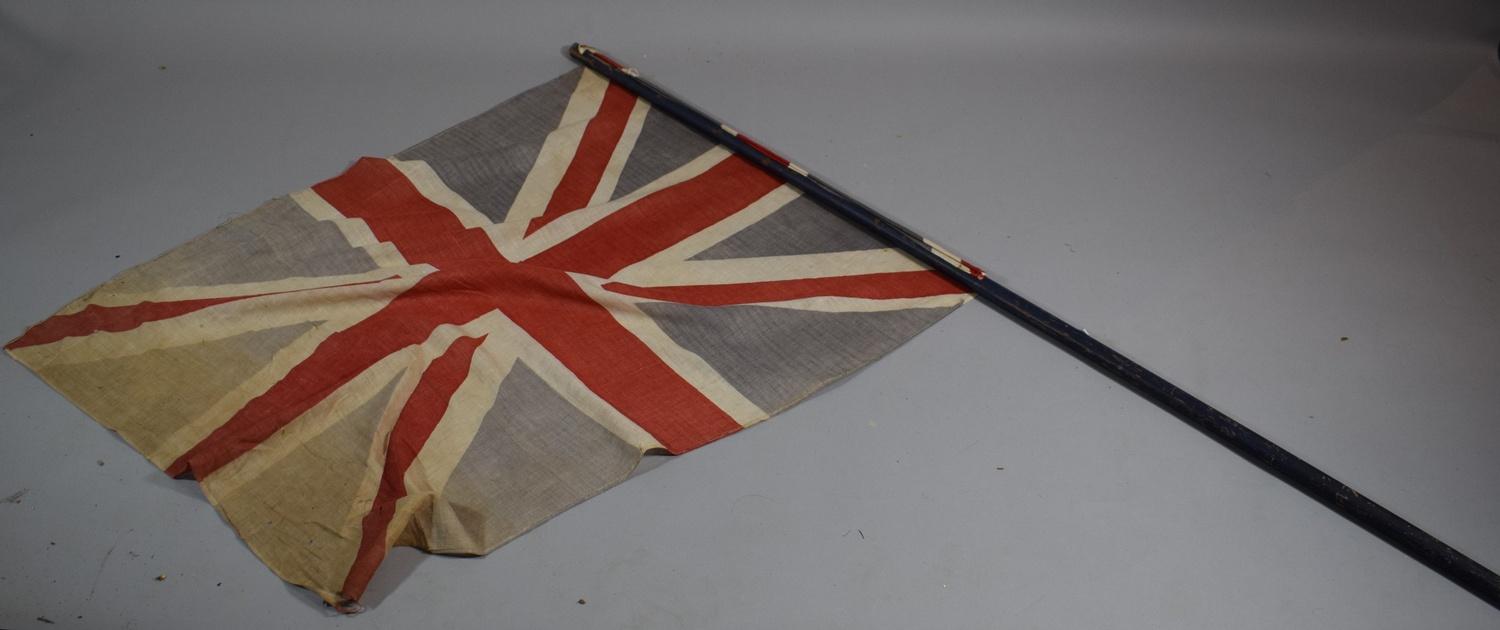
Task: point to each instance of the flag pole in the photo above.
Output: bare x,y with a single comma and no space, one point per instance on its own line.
1337,496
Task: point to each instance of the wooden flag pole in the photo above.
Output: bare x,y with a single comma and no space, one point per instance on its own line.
1237,437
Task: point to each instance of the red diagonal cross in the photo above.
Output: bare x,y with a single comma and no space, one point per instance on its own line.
471,279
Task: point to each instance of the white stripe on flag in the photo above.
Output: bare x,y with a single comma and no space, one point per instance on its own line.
628,137
557,153
725,228
691,367
354,230
769,268
432,187
287,285
568,225
566,384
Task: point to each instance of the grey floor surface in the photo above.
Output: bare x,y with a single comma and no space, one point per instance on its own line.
1289,208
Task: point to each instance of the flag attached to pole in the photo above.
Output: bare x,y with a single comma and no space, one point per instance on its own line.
447,347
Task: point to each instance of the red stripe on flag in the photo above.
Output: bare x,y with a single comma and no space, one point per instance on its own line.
419,417
611,361
375,191
473,278
94,318
407,320
874,286
595,148
660,219
378,193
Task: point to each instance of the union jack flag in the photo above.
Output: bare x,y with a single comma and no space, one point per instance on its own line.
449,346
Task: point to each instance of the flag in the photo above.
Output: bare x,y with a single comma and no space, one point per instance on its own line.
447,347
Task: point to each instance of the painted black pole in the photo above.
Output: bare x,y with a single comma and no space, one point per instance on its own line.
1354,506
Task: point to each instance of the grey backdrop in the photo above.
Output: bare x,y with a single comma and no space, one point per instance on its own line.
1224,190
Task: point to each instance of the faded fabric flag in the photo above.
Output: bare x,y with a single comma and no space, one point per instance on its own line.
447,347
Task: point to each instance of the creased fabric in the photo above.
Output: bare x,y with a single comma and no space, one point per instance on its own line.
446,347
